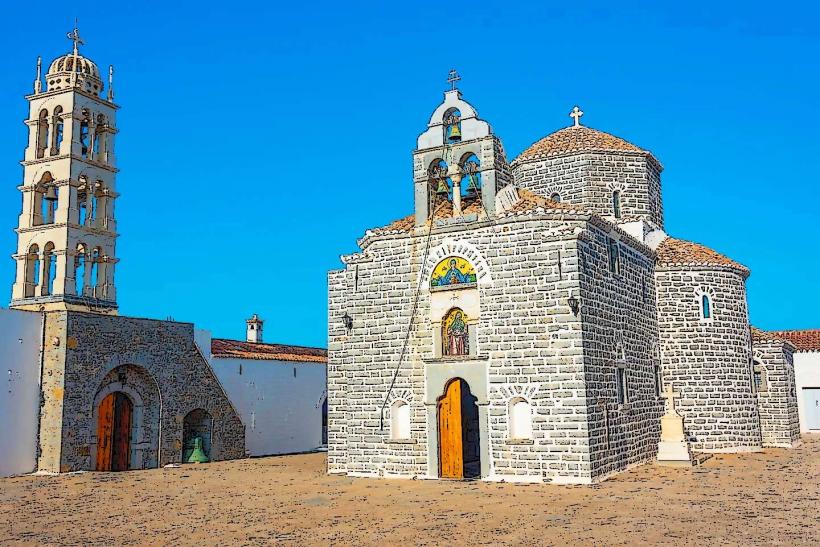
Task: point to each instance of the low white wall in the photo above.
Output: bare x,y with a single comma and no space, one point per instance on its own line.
806,374
20,339
280,402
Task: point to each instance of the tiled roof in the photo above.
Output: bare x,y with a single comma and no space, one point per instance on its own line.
571,140
759,335
445,210
803,340
222,348
681,252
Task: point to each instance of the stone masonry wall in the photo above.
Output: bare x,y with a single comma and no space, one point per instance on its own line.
620,330
709,361
527,335
524,340
88,353
777,396
589,179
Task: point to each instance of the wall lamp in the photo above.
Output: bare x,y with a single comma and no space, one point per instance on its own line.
348,321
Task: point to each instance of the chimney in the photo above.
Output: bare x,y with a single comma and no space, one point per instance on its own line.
254,329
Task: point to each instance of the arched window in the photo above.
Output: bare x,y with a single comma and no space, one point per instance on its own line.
400,420
42,133
32,270
79,270
471,184
50,269
556,197
452,125
705,307
520,413
98,136
45,199
616,203
84,134
57,137
82,202
455,334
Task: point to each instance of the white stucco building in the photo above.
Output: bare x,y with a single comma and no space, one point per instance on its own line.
806,376
278,390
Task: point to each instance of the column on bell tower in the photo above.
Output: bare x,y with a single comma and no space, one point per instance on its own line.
66,250
458,150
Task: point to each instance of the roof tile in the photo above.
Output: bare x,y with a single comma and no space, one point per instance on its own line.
223,348
803,340
570,140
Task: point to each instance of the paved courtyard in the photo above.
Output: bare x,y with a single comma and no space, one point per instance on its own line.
770,498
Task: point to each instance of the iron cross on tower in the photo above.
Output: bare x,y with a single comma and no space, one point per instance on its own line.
74,36
452,78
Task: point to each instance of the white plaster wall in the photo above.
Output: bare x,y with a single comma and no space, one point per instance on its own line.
282,411
806,374
20,340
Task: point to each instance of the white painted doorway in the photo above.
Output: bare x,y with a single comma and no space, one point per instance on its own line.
811,405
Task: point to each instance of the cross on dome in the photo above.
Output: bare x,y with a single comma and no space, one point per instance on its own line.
74,36
576,114
452,78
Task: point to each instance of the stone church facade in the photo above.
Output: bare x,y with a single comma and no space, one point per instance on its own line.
523,323
117,392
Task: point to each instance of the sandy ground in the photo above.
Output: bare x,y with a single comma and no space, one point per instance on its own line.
771,497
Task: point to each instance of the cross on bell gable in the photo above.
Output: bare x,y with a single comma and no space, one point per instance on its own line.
452,78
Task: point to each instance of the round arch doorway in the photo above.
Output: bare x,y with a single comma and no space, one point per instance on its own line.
458,432
114,416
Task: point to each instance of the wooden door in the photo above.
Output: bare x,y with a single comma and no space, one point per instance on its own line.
114,433
451,453
105,433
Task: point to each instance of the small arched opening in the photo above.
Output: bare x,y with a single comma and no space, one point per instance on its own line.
42,133
57,136
197,429
520,416
452,125
49,269
32,270
400,420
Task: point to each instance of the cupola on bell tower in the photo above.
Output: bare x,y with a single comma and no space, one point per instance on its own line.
66,234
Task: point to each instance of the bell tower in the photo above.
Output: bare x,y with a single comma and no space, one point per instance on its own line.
66,233
458,160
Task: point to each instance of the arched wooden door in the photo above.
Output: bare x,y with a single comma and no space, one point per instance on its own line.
114,432
450,448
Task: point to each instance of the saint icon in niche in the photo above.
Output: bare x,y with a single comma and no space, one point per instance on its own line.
453,271
455,336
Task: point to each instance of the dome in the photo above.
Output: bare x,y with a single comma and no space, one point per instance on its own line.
87,74
574,140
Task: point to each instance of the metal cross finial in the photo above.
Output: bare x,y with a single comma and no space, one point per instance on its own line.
576,114
452,78
74,36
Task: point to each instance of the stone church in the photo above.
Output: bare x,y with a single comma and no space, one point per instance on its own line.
524,322
116,392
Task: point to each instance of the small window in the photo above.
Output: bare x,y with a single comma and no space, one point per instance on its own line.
400,420
616,203
556,197
759,378
706,307
520,419
658,380
614,256
620,386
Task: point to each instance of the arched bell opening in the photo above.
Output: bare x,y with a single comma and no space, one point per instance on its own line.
197,428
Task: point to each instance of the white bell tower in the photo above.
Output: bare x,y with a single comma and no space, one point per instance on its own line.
66,234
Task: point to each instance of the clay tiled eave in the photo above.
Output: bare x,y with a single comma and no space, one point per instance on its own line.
222,348
803,340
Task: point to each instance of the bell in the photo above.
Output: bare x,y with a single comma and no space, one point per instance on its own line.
442,188
197,454
51,194
453,132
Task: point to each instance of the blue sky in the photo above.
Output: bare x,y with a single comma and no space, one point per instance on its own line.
258,141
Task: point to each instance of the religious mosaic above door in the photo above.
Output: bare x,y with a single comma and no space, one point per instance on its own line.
453,271
454,334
